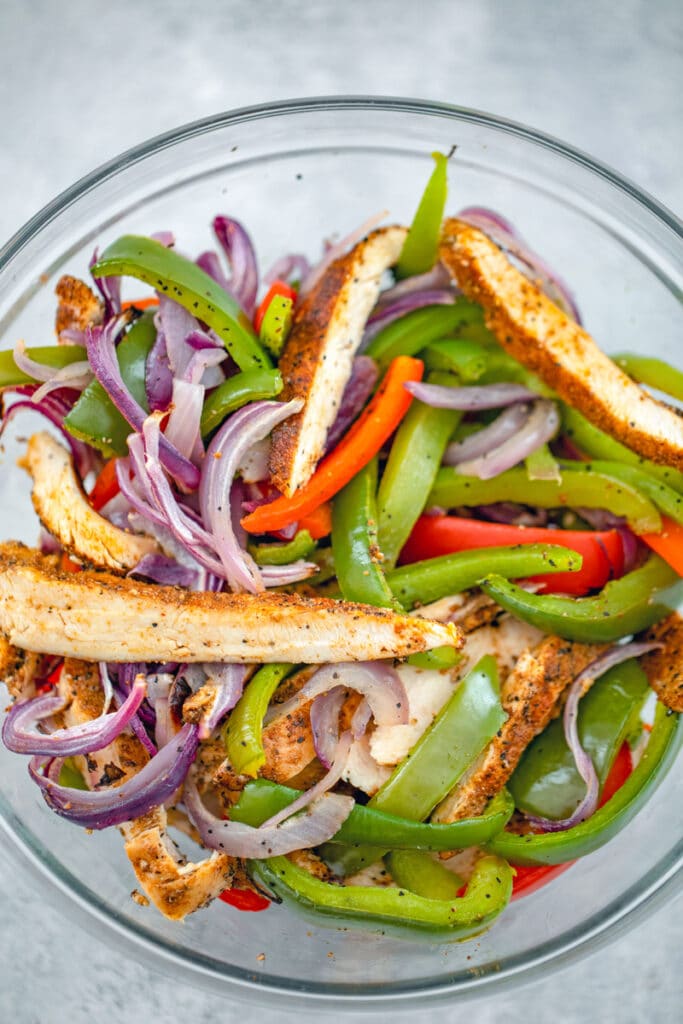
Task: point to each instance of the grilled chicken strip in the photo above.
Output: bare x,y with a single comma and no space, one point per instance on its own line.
176,888
63,509
542,337
78,306
530,695
664,667
19,669
100,617
316,362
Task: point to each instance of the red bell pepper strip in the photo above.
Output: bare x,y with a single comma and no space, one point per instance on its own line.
530,878
668,544
106,486
603,552
276,288
365,438
244,899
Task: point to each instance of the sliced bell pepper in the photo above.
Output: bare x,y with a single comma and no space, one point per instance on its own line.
529,879
276,324
488,893
242,732
424,582
54,356
602,551
669,501
318,522
415,456
546,781
277,288
578,487
106,486
300,546
655,373
94,418
668,544
188,285
412,332
419,873
357,557
420,249
146,303
598,445
461,730
245,899
623,607
237,391
362,442
560,847
466,359
261,799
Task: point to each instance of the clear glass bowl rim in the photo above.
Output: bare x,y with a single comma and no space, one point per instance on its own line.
203,972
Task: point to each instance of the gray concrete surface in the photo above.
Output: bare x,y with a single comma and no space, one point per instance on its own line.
81,81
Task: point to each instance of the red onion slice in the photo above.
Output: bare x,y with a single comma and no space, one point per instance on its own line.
541,425
135,724
489,438
208,356
435,279
359,387
388,312
292,266
158,375
175,324
227,682
506,236
183,427
100,345
337,769
379,683
224,454
153,785
325,723
109,288
54,408
165,571
469,399
241,255
338,249
584,764
75,375
315,826
19,730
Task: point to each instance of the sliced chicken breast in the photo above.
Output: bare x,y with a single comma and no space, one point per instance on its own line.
542,337
530,695
316,362
78,307
18,669
101,617
63,509
664,667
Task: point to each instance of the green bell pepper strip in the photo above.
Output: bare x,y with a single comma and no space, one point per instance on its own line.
439,658
433,578
419,873
502,367
546,781
53,356
466,359
542,465
357,556
456,737
622,607
301,546
593,490
414,460
261,799
655,373
667,500
70,776
420,249
560,847
188,285
599,445
94,418
488,893
242,732
277,323
233,393
410,333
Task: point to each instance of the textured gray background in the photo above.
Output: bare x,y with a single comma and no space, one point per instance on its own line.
81,81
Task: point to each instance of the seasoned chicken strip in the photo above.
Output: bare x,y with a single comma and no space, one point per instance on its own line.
530,696
100,617
63,509
175,887
542,337
316,362
78,306
18,669
664,668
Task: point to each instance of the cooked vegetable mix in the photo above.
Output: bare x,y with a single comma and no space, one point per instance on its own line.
346,576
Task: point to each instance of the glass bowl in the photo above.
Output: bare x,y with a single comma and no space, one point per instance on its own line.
296,173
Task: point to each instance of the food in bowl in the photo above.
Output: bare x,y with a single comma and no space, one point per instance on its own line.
319,575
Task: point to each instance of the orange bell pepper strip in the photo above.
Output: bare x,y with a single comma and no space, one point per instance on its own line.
149,300
365,438
318,522
106,486
668,544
